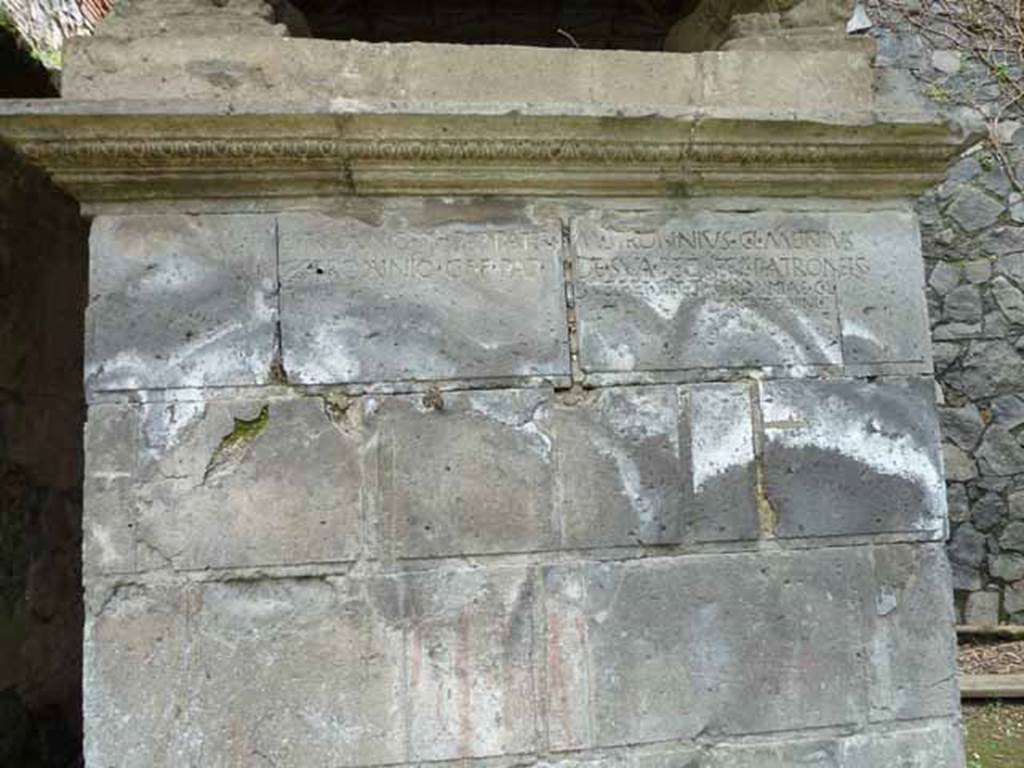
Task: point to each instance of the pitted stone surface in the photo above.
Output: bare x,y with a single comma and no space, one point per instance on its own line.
134,690
912,651
658,290
722,493
180,301
464,474
108,529
621,468
412,667
422,294
916,747
883,314
845,457
447,664
194,485
671,648
461,559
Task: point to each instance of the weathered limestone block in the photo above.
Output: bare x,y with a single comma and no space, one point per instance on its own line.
459,300
940,744
507,471
912,652
411,667
706,27
135,693
661,291
465,473
722,496
192,485
883,314
108,489
713,22
289,672
621,471
472,663
671,648
180,301
844,457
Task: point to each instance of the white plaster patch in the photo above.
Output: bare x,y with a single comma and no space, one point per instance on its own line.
513,412
165,424
335,363
854,329
202,361
620,357
886,601
721,431
832,425
109,551
630,480
646,412
663,301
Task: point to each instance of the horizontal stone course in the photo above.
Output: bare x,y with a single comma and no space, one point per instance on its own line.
327,478
471,662
484,473
391,291
350,73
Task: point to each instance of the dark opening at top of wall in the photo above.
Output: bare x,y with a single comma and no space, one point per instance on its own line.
21,76
639,25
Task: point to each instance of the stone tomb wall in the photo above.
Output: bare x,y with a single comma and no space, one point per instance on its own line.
528,482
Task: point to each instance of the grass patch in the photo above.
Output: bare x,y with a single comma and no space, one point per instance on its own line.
995,735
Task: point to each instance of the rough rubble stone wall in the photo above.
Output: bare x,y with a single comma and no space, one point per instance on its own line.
973,243
343,507
42,295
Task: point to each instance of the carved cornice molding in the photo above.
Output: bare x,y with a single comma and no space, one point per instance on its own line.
125,157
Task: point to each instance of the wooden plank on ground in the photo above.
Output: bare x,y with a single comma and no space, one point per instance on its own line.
992,687
1008,631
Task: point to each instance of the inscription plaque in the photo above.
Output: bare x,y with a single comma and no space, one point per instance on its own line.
657,291
408,300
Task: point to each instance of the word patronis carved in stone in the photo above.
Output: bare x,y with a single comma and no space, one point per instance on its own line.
757,265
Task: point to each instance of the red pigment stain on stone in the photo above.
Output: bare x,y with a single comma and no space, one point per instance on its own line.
465,696
556,677
417,659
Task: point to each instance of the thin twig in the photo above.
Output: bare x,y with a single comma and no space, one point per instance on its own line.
568,36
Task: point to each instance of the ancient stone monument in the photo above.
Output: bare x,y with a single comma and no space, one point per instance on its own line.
501,406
